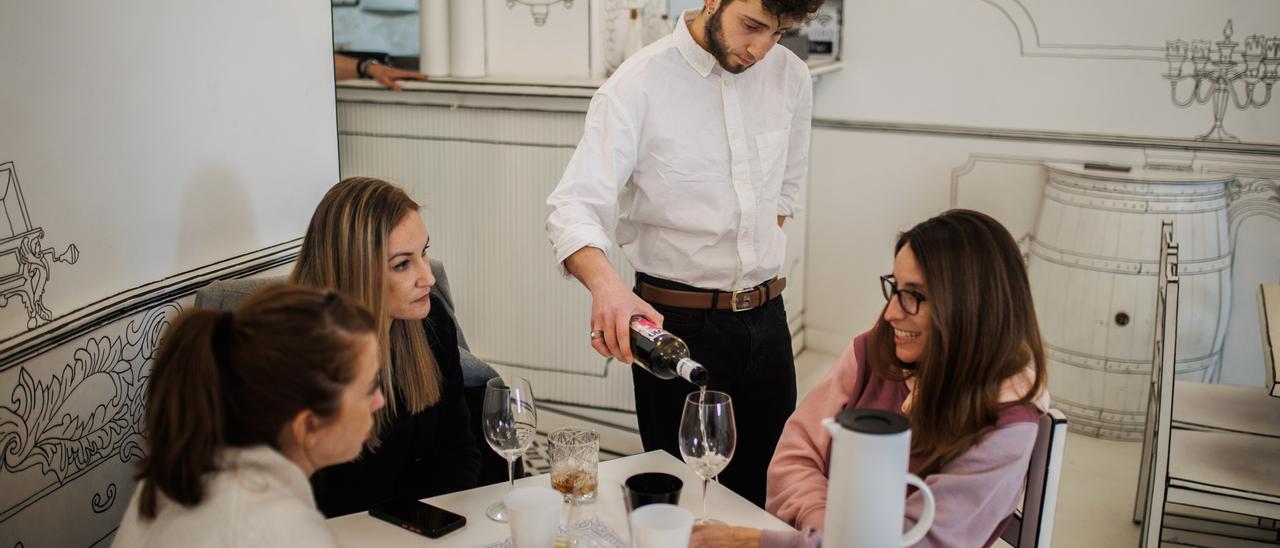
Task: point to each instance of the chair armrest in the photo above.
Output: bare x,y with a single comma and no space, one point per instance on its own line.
475,371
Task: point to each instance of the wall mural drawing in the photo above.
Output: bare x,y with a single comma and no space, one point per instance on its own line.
1216,68
24,261
1031,44
1221,73
54,430
103,501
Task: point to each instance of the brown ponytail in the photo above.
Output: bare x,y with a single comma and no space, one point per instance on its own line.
235,379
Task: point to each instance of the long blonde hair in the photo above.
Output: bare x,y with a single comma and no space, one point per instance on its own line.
345,249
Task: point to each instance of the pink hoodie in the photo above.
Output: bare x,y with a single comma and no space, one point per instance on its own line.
974,494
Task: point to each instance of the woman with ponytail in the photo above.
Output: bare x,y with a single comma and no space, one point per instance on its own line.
367,240
957,350
243,407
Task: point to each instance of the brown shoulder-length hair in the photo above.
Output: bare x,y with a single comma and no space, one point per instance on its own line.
983,331
235,379
345,248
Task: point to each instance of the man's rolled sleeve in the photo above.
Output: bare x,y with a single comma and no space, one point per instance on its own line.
583,208
577,238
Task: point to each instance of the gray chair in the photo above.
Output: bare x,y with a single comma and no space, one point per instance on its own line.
1032,525
226,294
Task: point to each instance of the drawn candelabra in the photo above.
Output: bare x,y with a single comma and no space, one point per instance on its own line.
539,8
1215,73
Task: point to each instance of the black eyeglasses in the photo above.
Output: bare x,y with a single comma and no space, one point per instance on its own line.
910,300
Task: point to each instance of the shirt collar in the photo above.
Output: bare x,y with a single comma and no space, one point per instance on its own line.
698,58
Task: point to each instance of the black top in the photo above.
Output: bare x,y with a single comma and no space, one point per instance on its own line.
421,455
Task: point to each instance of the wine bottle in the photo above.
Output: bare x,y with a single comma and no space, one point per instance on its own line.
663,354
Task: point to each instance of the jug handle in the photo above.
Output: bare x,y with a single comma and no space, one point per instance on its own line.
926,519
831,425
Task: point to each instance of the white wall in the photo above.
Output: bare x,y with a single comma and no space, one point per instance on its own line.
157,138
171,144
1085,66
1085,72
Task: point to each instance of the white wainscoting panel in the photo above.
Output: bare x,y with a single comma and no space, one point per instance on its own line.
73,433
72,420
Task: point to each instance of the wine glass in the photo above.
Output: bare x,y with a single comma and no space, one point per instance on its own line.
510,422
708,437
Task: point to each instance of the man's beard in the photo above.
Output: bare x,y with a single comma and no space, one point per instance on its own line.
715,41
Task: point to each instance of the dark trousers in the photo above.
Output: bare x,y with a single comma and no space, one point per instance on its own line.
748,356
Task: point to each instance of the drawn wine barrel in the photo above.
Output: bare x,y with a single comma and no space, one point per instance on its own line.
1093,261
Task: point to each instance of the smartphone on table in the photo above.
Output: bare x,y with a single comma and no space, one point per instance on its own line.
418,517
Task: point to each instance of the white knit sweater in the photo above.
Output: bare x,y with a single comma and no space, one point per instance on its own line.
257,498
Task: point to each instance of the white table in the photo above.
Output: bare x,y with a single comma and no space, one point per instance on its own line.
362,530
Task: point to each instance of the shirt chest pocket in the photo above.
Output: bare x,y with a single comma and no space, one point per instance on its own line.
690,167
772,149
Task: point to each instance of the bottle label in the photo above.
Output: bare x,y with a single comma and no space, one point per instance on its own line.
685,368
646,329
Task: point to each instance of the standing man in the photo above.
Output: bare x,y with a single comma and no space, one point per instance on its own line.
694,154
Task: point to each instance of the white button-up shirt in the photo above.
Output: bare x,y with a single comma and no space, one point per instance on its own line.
689,165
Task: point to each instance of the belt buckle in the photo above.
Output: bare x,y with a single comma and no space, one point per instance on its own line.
741,300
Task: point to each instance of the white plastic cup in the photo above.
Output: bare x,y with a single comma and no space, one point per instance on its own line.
534,516
661,526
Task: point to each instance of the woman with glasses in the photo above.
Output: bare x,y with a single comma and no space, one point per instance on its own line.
957,351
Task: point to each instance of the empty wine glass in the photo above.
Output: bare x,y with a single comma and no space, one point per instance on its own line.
708,437
510,423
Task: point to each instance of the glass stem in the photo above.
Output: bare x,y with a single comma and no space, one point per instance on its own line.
511,474
705,481
573,507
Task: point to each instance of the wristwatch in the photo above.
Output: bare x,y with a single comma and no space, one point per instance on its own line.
362,68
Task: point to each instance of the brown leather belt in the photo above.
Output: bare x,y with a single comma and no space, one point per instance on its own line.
738,301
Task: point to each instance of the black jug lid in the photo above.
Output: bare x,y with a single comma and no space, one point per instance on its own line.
873,421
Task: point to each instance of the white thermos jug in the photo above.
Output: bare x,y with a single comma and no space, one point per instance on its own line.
867,481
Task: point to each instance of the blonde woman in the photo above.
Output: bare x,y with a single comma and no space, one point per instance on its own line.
367,240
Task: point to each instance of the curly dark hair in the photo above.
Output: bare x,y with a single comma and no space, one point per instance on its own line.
794,10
